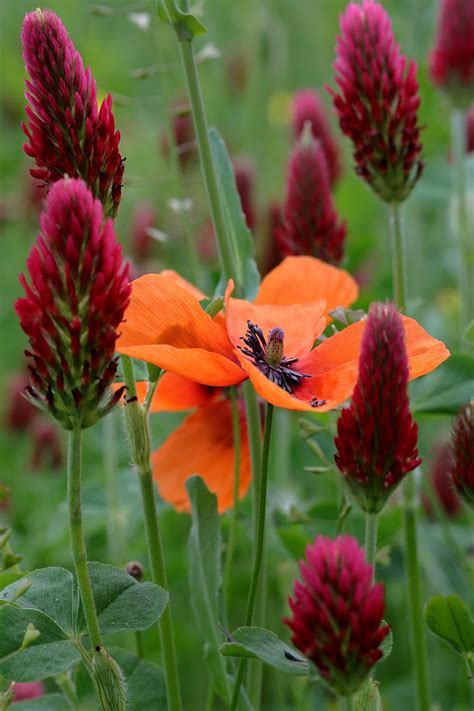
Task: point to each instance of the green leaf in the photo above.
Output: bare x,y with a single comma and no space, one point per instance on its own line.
186,24
51,653
369,699
50,702
122,604
387,644
448,617
248,277
259,643
8,578
204,550
448,388
145,681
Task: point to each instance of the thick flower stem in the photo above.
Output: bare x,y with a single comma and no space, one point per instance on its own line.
234,515
347,703
260,536
371,525
410,498
137,425
74,466
464,238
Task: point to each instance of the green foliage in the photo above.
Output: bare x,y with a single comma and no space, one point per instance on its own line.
204,556
49,702
248,277
51,604
448,617
368,698
448,388
186,24
259,643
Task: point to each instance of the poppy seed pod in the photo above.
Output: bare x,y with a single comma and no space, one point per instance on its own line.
73,306
376,436
462,454
66,132
310,222
308,106
377,101
452,59
337,613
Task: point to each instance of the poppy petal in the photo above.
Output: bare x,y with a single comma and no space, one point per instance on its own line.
175,393
184,283
299,279
202,445
301,323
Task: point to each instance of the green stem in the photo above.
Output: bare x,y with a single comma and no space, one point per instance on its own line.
410,498
141,454
347,703
234,518
139,644
465,239
74,465
207,164
259,548
149,395
371,525
115,540
470,674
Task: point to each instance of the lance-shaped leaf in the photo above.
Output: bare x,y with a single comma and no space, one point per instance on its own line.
447,389
448,617
259,643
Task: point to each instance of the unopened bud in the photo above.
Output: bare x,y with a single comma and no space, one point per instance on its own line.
109,681
135,569
139,434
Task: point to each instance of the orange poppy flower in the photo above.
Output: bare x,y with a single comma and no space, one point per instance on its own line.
203,443
269,341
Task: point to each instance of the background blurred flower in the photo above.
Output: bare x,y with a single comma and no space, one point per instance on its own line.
141,241
244,170
308,106
378,101
27,690
452,58
47,447
462,454
337,613
66,132
182,132
19,411
441,483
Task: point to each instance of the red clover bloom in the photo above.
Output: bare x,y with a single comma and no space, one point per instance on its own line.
378,101
73,307
376,436
452,59
308,106
66,132
462,454
310,223
337,613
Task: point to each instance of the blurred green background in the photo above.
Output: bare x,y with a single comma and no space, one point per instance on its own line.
276,47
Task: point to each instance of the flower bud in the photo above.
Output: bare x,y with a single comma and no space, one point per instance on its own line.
337,613
66,132
462,454
27,690
109,681
376,436
139,431
135,570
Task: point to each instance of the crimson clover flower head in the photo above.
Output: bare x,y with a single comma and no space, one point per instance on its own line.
73,305
337,613
67,133
377,101
376,436
310,224
462,454
452,58
308,106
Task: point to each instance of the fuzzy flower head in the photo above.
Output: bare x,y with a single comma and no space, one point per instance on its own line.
377,101
308,106
452,59
376,436
67,133
310,225
337,613
72,308
462,454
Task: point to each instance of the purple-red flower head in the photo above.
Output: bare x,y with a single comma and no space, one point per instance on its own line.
452,59
376,436
66,132
73,306
310,225
308,107
337,613
462,454
377,101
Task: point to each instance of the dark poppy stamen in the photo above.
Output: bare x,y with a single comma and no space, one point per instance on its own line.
268,356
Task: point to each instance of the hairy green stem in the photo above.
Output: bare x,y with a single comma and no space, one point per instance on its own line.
259,547
347,703
371,525
137,423
79,555
410,498
234,514
465,236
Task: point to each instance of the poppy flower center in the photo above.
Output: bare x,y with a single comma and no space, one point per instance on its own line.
268,355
